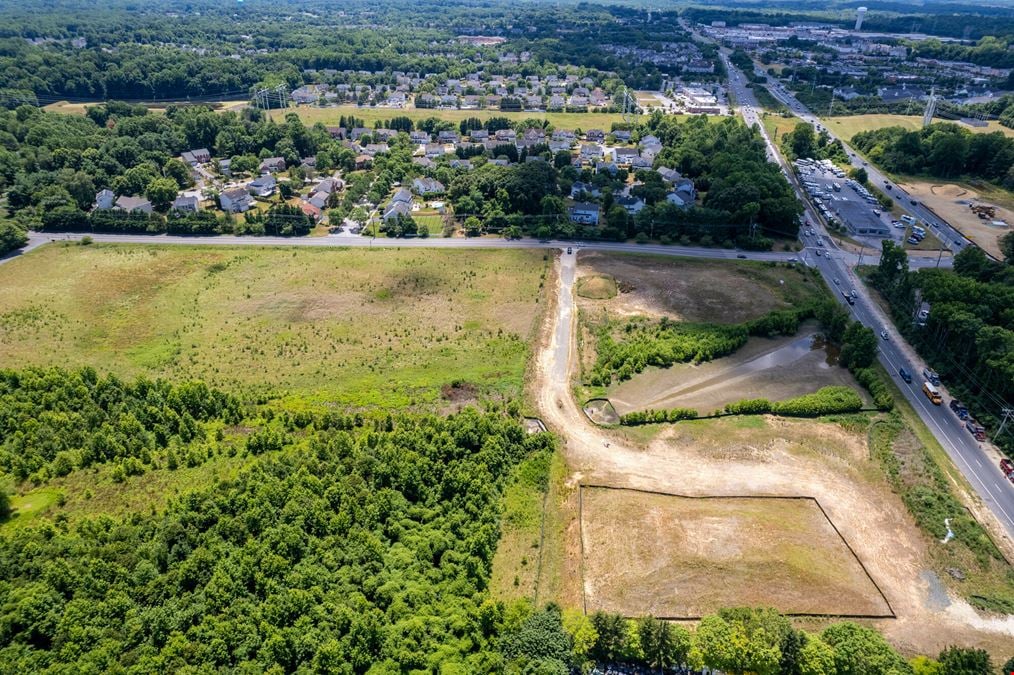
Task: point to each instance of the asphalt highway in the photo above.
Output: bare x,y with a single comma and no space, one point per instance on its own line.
980,468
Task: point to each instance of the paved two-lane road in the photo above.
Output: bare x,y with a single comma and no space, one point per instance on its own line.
996,492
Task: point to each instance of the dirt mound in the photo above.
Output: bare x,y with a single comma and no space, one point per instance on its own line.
597,287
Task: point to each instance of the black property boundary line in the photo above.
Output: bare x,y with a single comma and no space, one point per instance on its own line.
826,615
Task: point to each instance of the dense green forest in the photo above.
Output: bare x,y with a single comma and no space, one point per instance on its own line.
346,544
969,334
941,150
210,50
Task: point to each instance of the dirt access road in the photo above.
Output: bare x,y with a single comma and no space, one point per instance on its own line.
872,519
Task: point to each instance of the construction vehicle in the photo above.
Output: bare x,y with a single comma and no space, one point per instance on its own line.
976,429
932,393
959,408
984,211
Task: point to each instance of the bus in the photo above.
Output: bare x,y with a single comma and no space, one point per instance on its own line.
932,393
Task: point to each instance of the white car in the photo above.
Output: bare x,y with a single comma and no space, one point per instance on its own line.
884,334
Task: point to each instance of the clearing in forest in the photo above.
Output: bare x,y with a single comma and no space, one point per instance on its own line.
685,557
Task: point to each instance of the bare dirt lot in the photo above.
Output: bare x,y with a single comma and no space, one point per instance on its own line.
951,202
685,557
775,369
692,290
750,456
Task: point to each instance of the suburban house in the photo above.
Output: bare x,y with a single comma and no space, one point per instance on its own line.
578,188
633,205
105,199
434,150
363,161
225,167
395,209
133,204
622,135
262,187
427,186
584,213
195,157
318,200
311,210
236,200
272,165
678,199
623,156
591,152
669,175
685,186
186,204
595,135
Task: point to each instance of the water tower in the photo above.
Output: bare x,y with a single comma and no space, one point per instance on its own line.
860,15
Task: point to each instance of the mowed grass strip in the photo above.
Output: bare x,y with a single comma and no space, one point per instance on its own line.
683,557
848,126
352,328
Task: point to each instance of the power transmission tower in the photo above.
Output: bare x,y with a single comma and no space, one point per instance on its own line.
629,106
931,108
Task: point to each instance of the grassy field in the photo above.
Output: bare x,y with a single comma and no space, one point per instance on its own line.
516,563
848,126
777,125
691,289
725,552
69,108
353,328
561,120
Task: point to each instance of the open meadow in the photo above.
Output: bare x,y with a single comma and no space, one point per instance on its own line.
848,126
562,120
347,328
686,557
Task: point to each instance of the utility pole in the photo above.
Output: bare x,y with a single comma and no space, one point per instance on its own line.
1007,414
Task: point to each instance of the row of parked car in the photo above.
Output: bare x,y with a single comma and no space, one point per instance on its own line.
977,431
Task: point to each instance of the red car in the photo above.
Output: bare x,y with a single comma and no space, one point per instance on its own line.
1007,466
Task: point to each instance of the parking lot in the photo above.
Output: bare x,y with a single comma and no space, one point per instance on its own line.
843,200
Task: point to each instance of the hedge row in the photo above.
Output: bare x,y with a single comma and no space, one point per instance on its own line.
749,406
657,416
781,321
873,383
824,401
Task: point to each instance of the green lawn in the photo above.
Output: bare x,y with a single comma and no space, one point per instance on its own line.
848,126
353,328
562,120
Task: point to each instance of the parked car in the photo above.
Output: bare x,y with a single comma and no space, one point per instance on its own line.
905,375
884,334
1006,466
